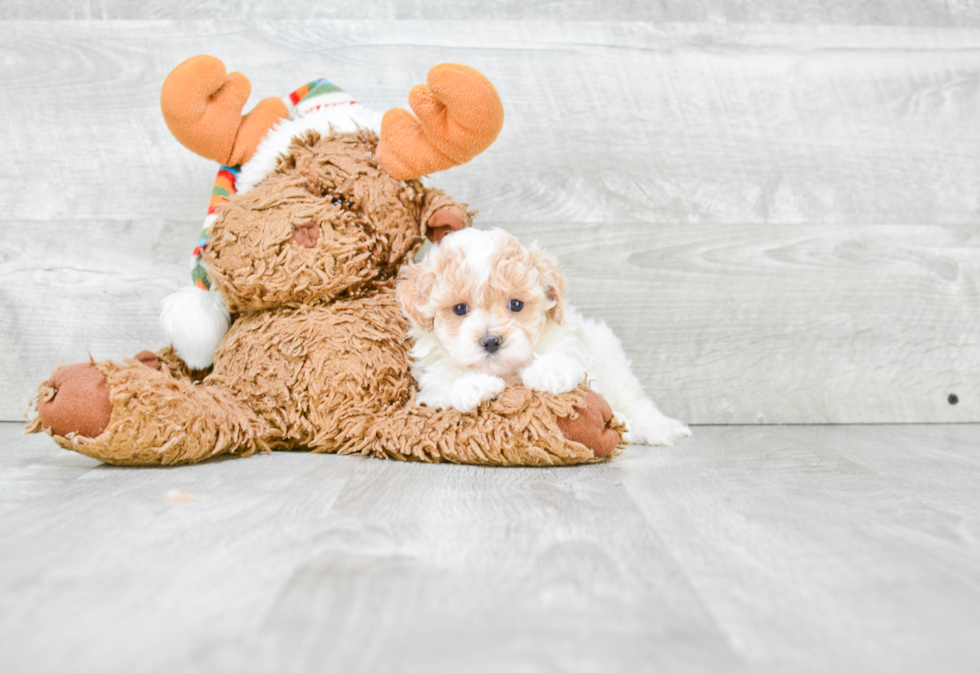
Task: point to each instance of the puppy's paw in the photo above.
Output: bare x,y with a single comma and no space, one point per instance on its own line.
471,389
647,425
553,374
657,433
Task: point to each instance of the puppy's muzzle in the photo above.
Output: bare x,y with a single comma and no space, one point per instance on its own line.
490,343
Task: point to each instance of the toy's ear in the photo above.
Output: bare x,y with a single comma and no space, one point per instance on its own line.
553,281
459,115
414,287
202,105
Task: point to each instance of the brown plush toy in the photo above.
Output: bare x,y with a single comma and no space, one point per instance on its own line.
291,337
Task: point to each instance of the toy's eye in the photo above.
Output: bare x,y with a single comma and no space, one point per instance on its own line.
515,305
461,309
344,203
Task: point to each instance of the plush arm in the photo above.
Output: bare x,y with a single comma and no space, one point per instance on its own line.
442,215
518,427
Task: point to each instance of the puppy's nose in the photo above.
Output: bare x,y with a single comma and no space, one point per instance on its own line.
491,343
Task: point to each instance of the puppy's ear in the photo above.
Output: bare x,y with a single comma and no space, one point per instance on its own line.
415,283
553,281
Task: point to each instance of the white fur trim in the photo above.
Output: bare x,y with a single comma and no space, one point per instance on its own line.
195,321
341,117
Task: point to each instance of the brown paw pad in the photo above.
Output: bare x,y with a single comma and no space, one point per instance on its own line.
77,401
150,359
442,222
589,425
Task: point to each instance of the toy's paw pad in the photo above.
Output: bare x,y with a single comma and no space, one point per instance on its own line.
150,359
76,401
443,221
589,425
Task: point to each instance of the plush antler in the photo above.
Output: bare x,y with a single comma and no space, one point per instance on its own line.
202,106
459,116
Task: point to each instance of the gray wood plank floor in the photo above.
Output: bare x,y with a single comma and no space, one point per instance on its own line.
783,548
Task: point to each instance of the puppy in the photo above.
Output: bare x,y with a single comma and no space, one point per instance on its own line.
486,312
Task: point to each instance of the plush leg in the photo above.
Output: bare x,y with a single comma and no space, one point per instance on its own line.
141,413
519,427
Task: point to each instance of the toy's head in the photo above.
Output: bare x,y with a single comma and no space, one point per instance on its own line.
322,205
327,222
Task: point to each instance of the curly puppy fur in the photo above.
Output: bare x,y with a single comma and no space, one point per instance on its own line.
486,312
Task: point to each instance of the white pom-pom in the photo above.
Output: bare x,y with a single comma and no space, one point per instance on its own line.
195,321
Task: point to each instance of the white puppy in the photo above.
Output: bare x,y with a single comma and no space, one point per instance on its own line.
486,312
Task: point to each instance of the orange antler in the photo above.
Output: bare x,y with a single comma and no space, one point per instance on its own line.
459,116
202,106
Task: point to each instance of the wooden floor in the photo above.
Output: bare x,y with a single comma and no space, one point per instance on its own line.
781,548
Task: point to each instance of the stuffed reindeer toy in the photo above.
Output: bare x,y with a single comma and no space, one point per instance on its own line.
290,337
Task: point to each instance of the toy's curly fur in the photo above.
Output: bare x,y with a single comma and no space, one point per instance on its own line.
317,356
360,213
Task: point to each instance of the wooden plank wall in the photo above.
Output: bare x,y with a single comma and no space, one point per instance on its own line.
775,205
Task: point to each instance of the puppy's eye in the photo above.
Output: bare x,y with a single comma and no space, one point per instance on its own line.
515,305
461,309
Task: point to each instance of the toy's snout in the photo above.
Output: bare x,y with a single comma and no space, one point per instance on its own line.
306,234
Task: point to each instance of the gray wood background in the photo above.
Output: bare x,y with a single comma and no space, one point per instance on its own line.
776,205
